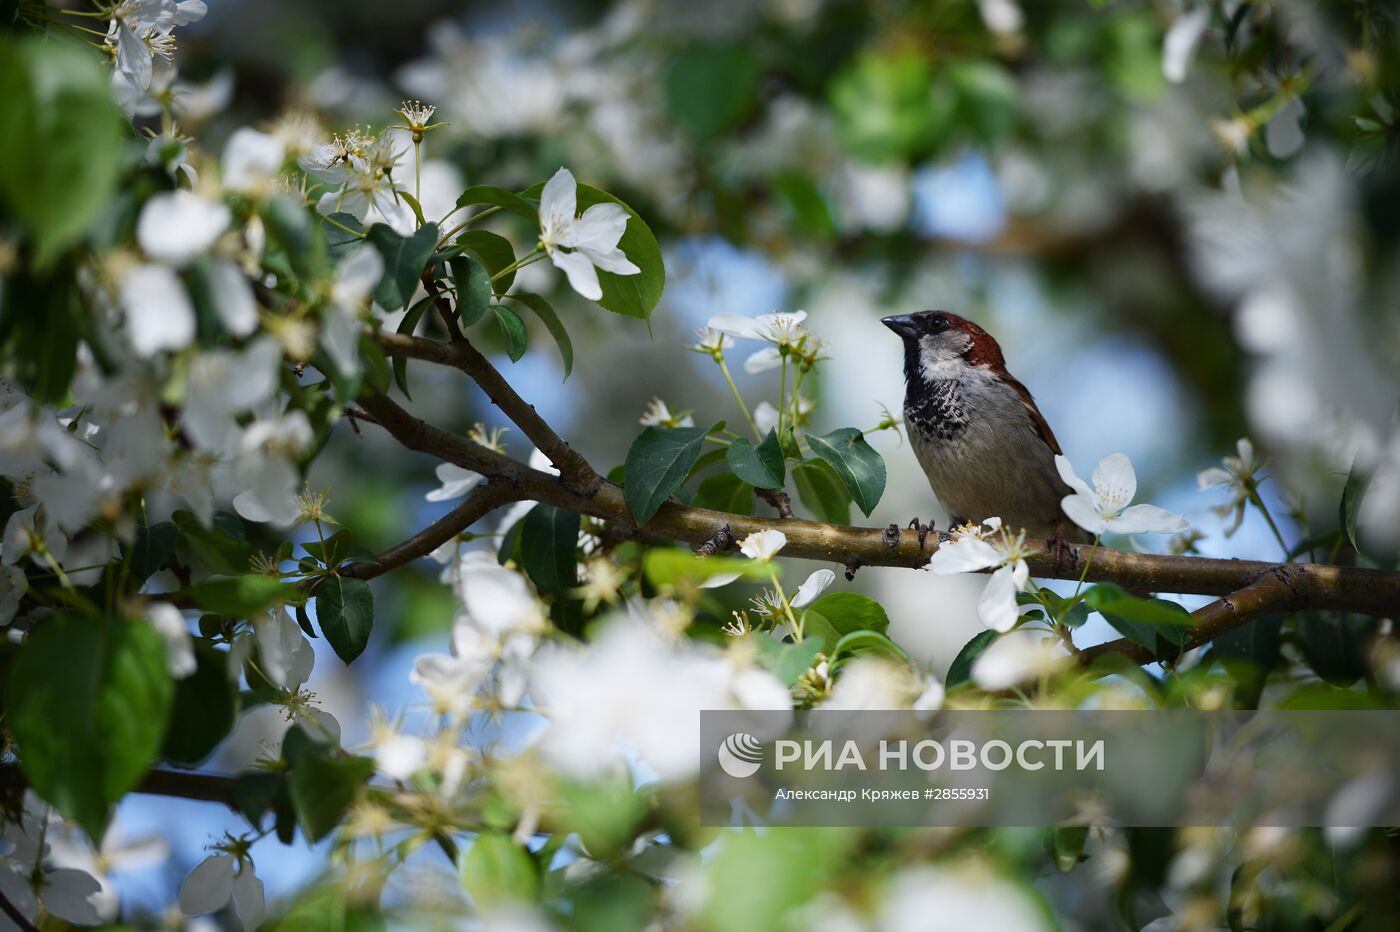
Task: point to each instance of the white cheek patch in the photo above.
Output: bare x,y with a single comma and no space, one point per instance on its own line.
938,360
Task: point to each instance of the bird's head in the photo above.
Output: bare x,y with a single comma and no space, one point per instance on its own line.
938,345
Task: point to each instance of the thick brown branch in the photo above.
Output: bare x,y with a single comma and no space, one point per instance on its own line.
1273,592
574,469
481,502
1309,585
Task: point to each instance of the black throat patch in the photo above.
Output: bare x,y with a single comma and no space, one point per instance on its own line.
935,408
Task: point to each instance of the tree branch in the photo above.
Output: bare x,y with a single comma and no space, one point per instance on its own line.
574,469
1274,592
482,501
1308,585
206,787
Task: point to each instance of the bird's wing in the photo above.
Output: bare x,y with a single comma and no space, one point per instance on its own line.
1037,418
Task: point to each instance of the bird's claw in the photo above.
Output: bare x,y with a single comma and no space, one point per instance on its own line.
922,529
1060,548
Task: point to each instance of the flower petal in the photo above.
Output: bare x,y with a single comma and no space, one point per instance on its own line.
248,899
1147,519
583,278
763,545
1115,482
997,607
815,585
1070,478
208,886
159,314
737,325
179,225
765,360
964,555
1212,476
1082,511
558,204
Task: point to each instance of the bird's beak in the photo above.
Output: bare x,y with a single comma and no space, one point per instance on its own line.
901,324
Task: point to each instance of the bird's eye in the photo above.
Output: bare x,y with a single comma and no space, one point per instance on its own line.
937,324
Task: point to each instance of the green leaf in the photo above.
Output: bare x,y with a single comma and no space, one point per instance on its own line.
987,99
339,241
837,614
88,702
323,787
413,205
545,312
63,137
241,596
628,295
711,86
220,548
549,548
787,661
290,224
152,549
657,463
404,261
822,492
513,329
495,253
862,642
406,327
497,871
960,671
725,492
1107,598
666,566
205,708
345,609
856,462
498,197
473,288
1350,506
761,466
1336,645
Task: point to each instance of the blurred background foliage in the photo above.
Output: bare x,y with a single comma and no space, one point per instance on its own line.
1124,193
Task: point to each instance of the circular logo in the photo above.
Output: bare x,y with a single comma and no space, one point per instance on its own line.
740,755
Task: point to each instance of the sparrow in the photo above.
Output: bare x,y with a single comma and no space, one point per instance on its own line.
984,445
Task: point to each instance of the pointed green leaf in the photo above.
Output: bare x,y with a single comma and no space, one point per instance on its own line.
833,616
495,252
498,197
513,329
760,466
822,492
657,464
241,596
549,548
545,312
345,609
960,671
856,462
323,787
88,702
404,260
473,288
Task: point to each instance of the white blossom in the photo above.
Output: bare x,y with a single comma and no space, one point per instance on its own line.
580,245
1017,658
266,469
1106,507
169,623
251,161
1179,46
995,549
764,545
456,482
214,882
1239,476
176,226
159,315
